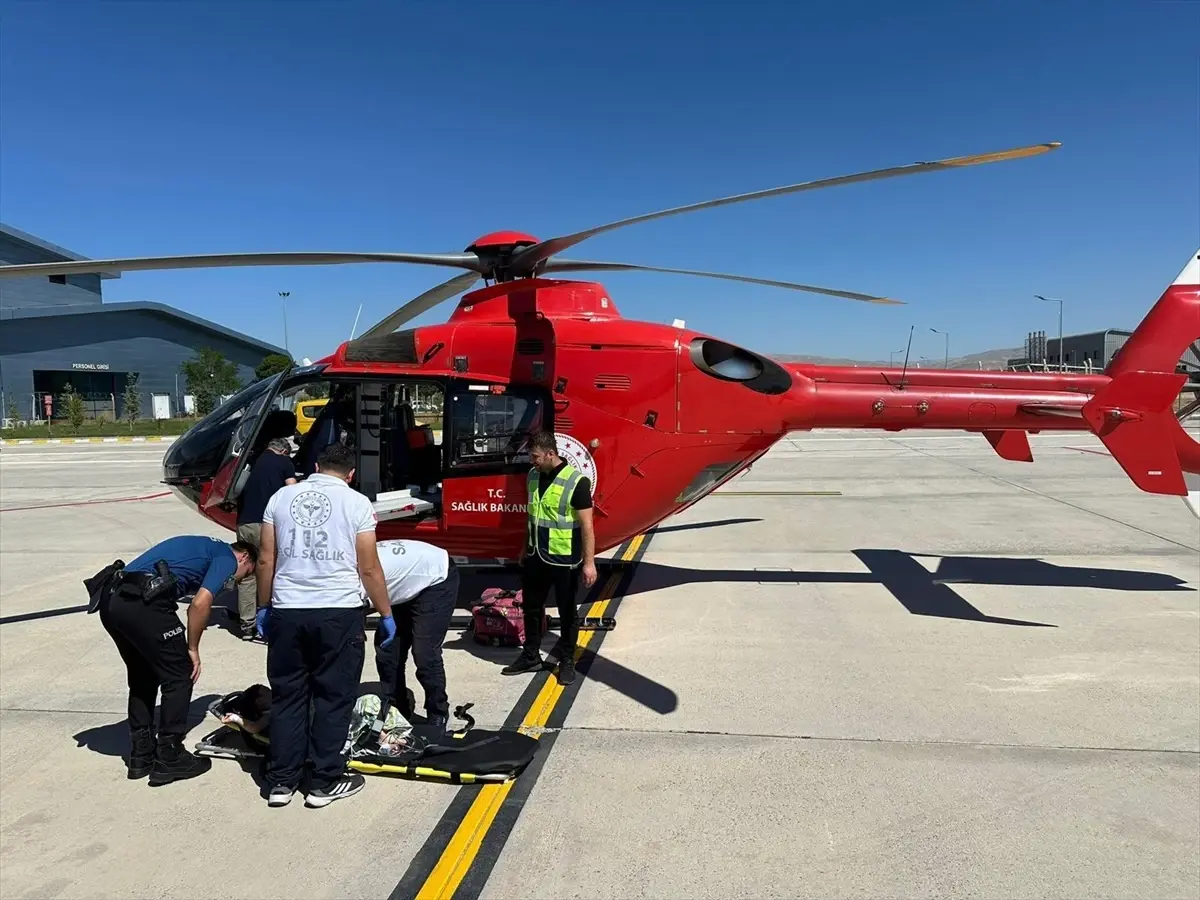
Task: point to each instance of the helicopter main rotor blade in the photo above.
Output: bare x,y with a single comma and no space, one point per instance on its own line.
525,261
418,305
570,265
219,260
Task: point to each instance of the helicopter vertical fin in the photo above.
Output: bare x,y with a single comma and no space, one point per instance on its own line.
1134,415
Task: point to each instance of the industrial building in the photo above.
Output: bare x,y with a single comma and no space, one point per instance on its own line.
1094,350
57,330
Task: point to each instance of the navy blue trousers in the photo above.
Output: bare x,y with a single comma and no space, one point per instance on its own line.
314,664
421,626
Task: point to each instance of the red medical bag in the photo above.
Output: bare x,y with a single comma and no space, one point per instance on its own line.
498,618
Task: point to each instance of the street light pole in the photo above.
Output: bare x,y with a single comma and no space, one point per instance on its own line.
283,295
1062,356
946,335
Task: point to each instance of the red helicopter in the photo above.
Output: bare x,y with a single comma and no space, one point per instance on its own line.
656,415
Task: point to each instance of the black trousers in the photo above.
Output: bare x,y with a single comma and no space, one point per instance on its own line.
152,642
537,580
314,660
421,625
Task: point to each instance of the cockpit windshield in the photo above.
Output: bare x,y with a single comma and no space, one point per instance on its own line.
200,450
235,408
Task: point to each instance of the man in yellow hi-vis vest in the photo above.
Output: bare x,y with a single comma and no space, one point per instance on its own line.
560,546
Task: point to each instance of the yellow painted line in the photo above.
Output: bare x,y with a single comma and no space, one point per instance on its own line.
464,846
149,439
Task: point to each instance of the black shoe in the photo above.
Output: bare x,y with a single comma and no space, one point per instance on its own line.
173,763
346,786
566,669
141,753
437,724
526,662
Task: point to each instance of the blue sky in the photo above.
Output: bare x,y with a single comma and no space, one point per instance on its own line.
152,128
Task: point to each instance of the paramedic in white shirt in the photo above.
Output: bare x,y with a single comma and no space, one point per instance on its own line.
422,588
316,555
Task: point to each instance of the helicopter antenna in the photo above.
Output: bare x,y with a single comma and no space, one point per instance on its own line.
906,352
354,327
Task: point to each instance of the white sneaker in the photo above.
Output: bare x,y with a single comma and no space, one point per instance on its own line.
280,795
346,786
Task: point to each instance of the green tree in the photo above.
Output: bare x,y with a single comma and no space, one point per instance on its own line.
209,376
132,401
72,407
272,364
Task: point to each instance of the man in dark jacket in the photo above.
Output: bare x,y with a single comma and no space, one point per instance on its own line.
272,470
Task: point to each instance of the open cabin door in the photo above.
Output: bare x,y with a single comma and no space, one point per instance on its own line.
252,406
487,463
400,461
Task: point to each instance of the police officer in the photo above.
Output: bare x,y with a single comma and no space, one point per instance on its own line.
422,586
559,541
317,553
138,610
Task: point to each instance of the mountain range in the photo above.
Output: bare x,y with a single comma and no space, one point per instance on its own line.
988,359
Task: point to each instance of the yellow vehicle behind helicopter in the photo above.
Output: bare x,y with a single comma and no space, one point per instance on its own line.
307,412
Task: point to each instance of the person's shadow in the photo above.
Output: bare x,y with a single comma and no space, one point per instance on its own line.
113,740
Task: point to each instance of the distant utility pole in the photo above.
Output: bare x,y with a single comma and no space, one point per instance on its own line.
892,356
1062,356
283,295
946,335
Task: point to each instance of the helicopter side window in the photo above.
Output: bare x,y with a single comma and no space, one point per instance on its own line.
491,428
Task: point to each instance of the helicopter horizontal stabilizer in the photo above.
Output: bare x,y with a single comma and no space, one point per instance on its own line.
1132,416
1010,445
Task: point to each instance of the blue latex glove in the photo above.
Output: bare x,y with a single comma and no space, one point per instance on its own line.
260,621
388,626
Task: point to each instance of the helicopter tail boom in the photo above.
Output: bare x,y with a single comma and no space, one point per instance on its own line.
1137,407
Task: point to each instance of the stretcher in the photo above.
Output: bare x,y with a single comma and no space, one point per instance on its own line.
466,756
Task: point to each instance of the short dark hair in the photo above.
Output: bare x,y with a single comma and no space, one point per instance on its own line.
337,457
249,549
253,703
544,441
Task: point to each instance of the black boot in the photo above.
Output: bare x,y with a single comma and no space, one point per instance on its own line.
173,763
566,668
141,752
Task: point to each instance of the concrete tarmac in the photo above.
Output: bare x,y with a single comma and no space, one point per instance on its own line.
955,676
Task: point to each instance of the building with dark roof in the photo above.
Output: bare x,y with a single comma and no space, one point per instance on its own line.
57,330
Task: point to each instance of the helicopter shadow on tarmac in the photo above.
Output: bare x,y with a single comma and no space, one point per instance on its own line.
634,685
921,592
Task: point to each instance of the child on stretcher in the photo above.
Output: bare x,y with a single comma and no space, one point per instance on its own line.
252,713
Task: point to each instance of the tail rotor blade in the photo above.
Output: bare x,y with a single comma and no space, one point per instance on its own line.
525,261
568,265
222,260
421,304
